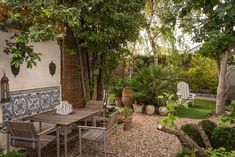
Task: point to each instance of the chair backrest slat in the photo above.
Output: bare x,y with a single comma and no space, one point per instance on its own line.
112,120
183,89
21,129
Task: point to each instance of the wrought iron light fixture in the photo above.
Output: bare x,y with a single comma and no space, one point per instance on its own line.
5,94
15,70
52,68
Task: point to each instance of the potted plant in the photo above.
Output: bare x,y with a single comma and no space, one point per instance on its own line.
116,88
153,81
139,99
127,121
167,102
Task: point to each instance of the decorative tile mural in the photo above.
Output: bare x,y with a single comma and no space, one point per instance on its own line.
27,102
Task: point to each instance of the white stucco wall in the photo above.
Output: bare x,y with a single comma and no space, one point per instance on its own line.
38,76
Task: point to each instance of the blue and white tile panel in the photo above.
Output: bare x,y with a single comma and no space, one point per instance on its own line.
27,102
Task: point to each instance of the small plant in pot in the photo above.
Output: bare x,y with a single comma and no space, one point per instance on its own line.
139,99
127,121
167,103
116,88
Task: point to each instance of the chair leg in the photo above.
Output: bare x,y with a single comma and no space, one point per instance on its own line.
105,145
116,141
80,143
39,149
8,142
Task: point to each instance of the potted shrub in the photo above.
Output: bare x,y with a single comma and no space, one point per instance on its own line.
154,81
167,103
139,99
127,121
116,89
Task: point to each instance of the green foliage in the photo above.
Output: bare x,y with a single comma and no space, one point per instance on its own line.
168,121
21,52
13,154
202,75
117,85
220,152
138,97
223,137
192,132
168,100
126,111
186,152
100,27
154,81
230,117
208,126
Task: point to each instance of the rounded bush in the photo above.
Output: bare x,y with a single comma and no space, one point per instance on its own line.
223,137
192,132
208,126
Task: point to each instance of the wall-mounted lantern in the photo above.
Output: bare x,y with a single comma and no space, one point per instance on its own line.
15,70
5,94
52,68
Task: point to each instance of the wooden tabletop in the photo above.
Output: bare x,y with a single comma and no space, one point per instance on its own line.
54,118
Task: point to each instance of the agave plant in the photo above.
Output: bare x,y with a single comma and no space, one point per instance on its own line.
154,81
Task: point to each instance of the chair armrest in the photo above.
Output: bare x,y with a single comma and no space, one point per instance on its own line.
178,94
47,131
90,127
193,95
100,118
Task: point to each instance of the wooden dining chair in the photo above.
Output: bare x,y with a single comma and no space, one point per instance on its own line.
99,134
23,134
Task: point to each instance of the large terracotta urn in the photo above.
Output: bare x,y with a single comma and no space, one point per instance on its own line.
126,96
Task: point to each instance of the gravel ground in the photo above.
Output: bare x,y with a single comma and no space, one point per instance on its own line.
143,140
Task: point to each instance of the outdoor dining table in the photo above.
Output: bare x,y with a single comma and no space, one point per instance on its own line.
63,122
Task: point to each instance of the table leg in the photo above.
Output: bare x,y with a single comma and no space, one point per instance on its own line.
40,126
8,142
65,142
58,141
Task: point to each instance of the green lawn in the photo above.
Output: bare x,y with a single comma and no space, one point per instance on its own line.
201,110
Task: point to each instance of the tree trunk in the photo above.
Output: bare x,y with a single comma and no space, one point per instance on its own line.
220,100
203,135
185,138
153,46
218,63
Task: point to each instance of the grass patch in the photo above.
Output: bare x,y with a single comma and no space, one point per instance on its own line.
202,109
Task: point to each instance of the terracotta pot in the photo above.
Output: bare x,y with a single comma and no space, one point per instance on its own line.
138,108
126,96
163,110
127,123
118,101
150,109
120,117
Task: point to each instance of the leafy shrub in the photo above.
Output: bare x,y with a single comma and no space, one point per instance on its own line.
192,132
202,75
223,137
13,154
220,152
186,152
154,81
117,85
208,126
138,97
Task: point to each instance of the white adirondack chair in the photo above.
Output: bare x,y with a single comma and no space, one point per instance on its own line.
183,92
